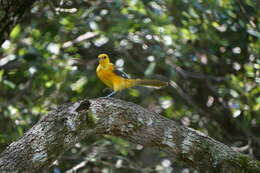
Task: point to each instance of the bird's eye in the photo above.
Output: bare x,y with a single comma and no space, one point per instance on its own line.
104,57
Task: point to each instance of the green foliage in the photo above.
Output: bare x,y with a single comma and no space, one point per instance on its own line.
209,48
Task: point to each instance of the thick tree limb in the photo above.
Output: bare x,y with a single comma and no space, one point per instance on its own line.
11,11
62,128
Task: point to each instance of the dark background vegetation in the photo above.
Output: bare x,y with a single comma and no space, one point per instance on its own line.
210,49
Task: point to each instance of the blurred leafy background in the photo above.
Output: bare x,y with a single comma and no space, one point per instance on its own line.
210,49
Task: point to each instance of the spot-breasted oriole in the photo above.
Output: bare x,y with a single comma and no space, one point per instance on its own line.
118,80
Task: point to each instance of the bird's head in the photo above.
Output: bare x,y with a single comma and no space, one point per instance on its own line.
103,59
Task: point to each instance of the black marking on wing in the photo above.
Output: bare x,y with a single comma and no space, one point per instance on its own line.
120,73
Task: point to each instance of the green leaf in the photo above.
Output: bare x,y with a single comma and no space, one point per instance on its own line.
15,32
9,84
78,85
1,75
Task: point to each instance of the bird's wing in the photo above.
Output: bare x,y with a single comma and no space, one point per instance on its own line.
120,73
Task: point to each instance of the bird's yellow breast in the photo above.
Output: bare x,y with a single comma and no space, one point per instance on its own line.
112,80
105,76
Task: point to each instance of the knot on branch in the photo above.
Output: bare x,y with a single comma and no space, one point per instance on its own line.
84,105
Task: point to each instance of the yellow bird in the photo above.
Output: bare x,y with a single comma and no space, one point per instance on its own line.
118,80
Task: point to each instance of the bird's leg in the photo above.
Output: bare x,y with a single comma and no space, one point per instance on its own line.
111,94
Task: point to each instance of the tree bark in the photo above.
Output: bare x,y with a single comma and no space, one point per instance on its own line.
11,11
69,123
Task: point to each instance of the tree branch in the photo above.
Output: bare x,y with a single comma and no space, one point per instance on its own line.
11,11
68,124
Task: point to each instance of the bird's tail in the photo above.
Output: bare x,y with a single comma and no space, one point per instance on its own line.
151,83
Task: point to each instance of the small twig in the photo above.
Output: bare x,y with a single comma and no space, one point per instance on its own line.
81,38
77,167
